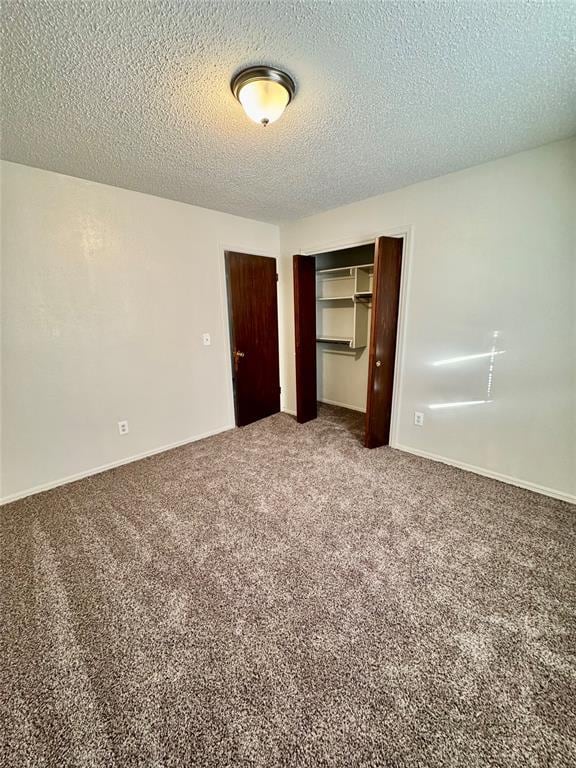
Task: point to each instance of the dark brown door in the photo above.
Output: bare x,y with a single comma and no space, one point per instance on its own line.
305,332
382,350
253,313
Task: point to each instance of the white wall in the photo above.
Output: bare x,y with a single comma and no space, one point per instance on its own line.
342,376
491,249
106,293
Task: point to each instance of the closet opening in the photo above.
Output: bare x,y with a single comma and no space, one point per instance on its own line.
346,306
343,314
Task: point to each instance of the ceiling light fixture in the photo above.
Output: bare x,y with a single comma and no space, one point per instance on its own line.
264,92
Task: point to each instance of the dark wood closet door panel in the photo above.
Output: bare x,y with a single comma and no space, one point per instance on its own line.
253,313
305,332
382,351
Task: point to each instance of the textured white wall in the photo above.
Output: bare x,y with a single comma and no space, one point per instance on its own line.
491,249
106,294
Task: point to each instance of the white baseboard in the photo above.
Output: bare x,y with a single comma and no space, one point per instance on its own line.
342,405
571,499
490,473
288,410
111,465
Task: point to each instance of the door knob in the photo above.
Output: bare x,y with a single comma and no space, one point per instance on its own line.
378,363
237,356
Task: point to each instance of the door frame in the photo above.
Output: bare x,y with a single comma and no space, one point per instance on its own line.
406,232
225,319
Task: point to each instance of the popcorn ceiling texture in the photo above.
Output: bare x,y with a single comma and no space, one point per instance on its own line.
136,94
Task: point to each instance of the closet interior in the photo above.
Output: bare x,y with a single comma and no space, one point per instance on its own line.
343,315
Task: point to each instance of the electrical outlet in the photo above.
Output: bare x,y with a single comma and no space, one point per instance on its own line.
419,418
206,339
123,427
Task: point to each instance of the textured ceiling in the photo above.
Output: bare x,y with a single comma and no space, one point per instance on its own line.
135,94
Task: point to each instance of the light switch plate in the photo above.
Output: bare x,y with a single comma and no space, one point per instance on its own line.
419,418
206,339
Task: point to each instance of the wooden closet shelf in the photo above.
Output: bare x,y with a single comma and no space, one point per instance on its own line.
335,298
347,341
358,296
333,272
338,313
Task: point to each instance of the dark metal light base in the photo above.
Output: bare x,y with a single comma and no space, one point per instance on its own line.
263,73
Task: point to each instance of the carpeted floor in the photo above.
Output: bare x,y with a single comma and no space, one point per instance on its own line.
280,596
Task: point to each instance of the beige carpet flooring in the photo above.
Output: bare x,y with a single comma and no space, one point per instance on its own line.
280,596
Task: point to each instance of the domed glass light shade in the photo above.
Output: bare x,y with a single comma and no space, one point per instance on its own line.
263,92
